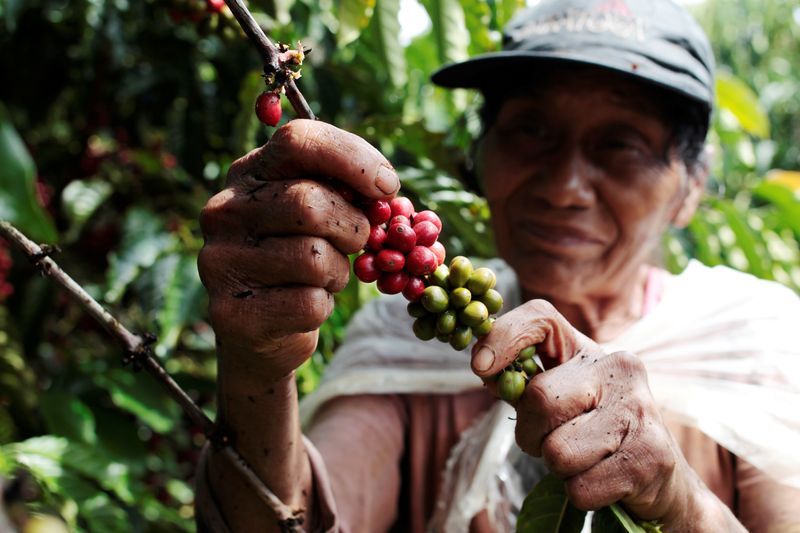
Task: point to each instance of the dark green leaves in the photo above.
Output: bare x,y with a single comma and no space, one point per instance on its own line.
547,510
18,186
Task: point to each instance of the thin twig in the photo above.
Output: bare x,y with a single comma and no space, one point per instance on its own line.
269,55
138,351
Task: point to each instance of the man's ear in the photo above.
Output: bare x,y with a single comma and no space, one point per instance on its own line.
695,187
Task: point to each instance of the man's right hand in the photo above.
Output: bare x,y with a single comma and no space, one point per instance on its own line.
277,239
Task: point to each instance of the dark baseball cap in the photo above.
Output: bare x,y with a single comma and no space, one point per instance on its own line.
656,41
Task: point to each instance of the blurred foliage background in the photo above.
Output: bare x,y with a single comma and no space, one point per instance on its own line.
118,120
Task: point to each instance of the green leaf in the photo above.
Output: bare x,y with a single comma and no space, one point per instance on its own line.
139,394
449,29
183,303
18,203
785,200
80,199
548,510
277,9
614,519
385,39
750,242
735,96
354,15
143,241
68,417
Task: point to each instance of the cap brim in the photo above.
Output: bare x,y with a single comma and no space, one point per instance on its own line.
488,70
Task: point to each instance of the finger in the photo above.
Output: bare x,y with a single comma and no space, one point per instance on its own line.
584,441
271,262
636,474
263,315
296,207
535,322
552,399
304,148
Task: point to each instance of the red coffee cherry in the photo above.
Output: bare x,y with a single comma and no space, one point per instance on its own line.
268,108
402,206
378,212
414,288
377,236
392,282
215,6
421,261
390,260
428,216
427,233
365,268
401,237
399,219
438,249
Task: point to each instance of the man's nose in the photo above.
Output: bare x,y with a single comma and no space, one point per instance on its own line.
565,181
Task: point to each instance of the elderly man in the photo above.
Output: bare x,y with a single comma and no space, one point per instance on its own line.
662,393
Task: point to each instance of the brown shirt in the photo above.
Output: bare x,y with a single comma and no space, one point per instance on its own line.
378,460
385,455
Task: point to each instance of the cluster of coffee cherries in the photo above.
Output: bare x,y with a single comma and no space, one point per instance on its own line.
512,380
457,304
403,255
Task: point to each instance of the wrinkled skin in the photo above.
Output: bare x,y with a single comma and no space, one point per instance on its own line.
276,245
602,191
277,239
582,182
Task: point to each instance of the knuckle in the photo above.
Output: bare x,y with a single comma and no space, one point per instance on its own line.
207,264
583,494
214,212
315,305
542,307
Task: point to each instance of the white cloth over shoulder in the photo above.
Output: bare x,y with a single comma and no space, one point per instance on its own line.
721,352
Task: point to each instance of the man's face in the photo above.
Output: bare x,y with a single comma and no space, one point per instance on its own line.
581,182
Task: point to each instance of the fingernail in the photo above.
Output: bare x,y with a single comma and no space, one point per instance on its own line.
483,360
387,180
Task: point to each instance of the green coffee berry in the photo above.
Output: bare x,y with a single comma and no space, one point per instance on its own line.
473,314
483,328
460,338
416,310
439,276
492,300
434,299
530,367
425,328
446,322
481,280
460,271
511,385
526,353
460,297
443,337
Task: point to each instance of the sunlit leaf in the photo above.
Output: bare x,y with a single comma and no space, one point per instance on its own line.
183,296
736,97
143,241
354,16
138,393
449,29
385,27
80,199
18,203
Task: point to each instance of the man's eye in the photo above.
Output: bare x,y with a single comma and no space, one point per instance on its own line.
621,144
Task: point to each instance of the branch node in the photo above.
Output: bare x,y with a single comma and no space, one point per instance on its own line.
45,250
